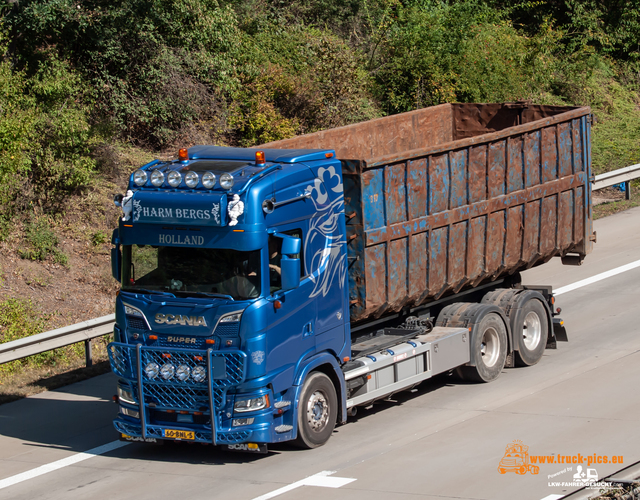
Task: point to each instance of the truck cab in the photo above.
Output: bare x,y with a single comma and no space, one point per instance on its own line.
233,270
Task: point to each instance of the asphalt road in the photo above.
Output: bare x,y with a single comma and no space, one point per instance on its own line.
442,441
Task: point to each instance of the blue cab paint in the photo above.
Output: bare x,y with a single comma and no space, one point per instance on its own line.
171,325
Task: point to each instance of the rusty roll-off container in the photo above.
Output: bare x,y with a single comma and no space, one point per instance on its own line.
448,197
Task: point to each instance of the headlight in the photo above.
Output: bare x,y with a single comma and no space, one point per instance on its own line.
157,178
132,311
253,404
226,181
191,179
152,370
208,180
140,177
174,178
126,396
199,374
183,372
231,318
167,371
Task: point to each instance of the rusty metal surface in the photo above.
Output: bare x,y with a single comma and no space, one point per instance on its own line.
485,190
390,135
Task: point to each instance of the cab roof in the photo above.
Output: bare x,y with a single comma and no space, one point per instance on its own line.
249,154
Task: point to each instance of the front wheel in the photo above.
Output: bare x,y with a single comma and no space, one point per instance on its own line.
317,411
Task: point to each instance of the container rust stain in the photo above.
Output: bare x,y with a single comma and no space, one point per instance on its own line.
448,196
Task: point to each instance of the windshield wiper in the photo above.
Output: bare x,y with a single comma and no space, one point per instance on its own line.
203,294
144,290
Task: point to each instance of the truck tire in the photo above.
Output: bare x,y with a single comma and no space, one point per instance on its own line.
530,332
489,346
317,411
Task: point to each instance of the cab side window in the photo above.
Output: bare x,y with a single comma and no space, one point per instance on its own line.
275,257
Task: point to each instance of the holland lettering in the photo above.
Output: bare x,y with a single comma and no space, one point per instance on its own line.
179,239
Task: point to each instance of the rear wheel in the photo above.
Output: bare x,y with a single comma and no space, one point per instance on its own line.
317,412
489,348
531,332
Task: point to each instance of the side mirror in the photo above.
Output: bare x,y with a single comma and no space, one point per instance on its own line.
290,244
290,269
116,256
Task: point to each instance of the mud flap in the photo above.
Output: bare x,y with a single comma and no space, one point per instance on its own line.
559,334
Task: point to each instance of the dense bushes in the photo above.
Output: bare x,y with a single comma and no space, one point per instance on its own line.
156,73
45,136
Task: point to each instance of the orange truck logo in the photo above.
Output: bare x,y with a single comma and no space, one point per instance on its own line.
516,459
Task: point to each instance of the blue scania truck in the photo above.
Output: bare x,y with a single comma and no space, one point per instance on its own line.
268,293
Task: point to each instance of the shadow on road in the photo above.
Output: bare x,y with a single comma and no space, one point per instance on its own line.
79,417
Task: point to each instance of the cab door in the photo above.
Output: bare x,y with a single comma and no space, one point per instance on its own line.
291,322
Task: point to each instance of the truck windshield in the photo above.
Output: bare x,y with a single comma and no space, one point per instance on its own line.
191,272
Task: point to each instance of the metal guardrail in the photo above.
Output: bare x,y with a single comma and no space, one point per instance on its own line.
61,337
619,176
93,328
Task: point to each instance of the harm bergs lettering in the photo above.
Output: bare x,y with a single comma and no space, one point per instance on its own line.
178,213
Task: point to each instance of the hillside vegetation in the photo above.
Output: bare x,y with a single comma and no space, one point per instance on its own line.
90,88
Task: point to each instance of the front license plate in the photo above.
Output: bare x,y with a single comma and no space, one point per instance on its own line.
176,434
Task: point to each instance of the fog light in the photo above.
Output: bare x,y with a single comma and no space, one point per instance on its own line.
191,179
183,372
157,178
129,413
226,181
242,421
199,374
167,371
140,177
152,370
174,178
208,180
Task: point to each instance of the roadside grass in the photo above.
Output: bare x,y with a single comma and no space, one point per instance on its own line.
20,318
42,242
49,370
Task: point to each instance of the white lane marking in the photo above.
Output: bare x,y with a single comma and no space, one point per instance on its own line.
553,497
320,479
59,464
597,277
